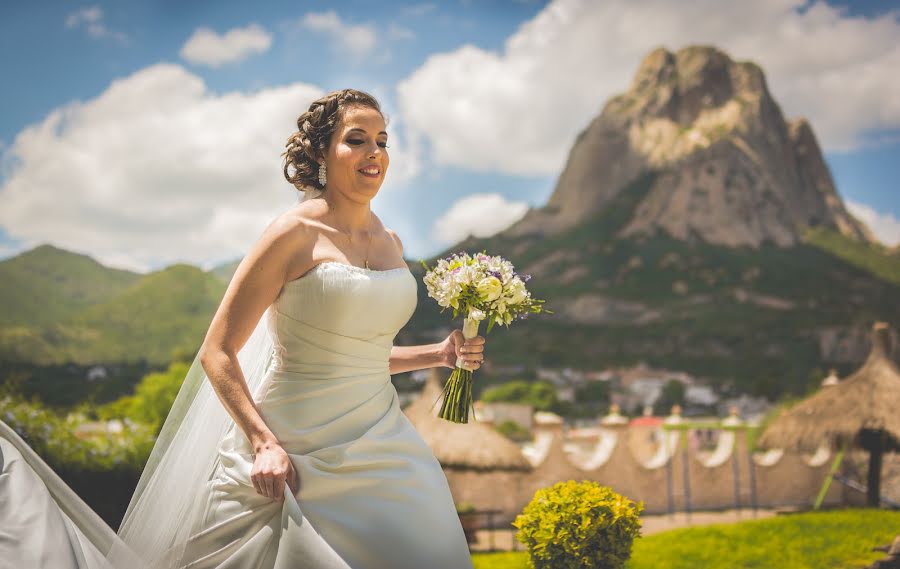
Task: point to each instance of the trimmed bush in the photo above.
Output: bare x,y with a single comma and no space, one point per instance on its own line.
578,525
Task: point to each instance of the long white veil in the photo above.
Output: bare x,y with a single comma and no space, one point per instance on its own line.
173,486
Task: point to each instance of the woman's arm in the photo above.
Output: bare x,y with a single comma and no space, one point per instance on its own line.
410,358
254,287
443,354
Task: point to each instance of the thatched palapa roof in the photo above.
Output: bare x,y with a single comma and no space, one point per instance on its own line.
867,400
473,445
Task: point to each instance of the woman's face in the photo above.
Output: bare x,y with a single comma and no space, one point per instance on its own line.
358,146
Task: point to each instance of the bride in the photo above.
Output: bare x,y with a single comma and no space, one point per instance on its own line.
295,452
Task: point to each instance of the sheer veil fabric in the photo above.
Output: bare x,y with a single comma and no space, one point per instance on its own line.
157,524
44,523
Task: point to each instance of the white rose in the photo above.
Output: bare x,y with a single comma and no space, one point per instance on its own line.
489,288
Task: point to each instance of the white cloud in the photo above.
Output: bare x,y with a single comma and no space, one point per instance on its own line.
884,225
519,111
206,47
157,169
356,40
91,19
481,215
154,170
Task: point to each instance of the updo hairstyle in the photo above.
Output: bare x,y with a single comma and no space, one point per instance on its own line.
313,137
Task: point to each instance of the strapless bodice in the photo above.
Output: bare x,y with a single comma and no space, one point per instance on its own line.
340,316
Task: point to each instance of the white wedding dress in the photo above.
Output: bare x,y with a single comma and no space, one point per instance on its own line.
371,493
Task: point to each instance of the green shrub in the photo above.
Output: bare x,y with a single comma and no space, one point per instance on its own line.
573,525
514,431
152,398
53,438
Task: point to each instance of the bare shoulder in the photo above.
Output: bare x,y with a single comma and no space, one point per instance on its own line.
288,231
396,239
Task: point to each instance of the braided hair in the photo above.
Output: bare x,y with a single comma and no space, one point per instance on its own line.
313,137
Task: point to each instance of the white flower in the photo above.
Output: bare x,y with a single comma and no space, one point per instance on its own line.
489,288
476,314
517,291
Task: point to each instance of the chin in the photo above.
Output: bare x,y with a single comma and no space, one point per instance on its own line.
373,185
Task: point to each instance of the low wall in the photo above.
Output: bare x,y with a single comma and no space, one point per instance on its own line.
672,480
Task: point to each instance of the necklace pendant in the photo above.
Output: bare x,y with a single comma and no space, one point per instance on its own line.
367,264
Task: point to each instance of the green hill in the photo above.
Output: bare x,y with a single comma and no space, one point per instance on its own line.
145,320
47,284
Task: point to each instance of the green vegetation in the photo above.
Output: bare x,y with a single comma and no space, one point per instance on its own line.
871,257
67,314
672,394
578,525
465,508
66,308
46,285
820,540
539,394
152,399
514,431
53,436
746,319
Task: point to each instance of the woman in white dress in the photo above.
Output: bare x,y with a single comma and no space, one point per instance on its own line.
328,431
318,467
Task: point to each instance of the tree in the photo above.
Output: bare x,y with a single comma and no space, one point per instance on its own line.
672,394
593,391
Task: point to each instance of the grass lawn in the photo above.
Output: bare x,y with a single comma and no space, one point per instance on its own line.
815,540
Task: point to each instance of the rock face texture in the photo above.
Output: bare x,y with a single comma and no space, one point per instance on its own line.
731,169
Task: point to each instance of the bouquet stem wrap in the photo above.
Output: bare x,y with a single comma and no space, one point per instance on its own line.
458,391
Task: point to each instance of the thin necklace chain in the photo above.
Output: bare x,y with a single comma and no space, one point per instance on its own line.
368,244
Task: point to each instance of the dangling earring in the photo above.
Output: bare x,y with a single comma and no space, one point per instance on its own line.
322,174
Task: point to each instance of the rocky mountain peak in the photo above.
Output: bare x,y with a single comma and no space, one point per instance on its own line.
731,170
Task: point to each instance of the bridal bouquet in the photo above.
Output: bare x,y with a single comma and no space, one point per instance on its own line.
482,287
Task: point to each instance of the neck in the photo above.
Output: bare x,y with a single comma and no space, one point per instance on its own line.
348,215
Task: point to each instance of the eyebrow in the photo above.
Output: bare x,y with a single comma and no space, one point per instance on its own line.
363,131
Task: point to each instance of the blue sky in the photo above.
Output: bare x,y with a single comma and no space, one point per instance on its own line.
148,133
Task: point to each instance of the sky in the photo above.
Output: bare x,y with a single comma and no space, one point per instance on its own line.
148,133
